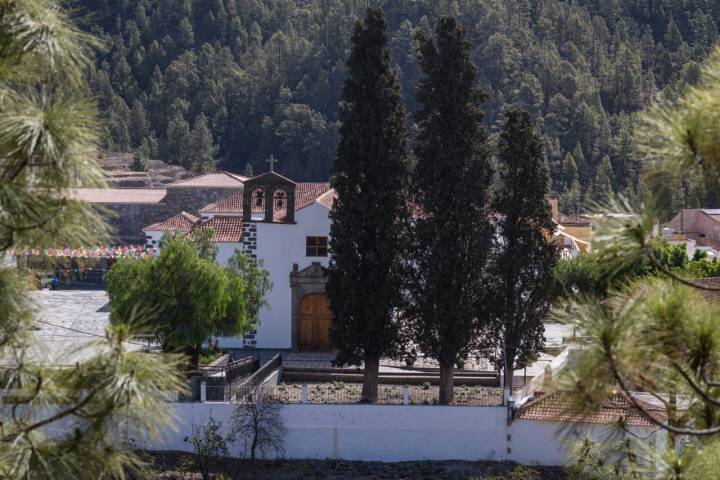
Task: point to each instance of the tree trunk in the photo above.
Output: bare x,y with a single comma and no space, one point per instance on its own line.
370,379
447,383
508,374
194,354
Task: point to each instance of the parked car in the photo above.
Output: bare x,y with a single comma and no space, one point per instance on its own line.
49,280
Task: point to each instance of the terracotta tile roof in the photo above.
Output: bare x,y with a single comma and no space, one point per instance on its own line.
558,407
305,195
709,295
231,204
328,198
119,195
225,229
215,179
573,219
182,222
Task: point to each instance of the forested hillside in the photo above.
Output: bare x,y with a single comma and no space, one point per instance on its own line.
226,83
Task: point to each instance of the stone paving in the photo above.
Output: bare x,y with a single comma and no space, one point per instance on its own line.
554,334
68,323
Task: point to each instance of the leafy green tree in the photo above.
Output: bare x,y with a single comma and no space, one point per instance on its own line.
453,236
194,297
370,215
525,255
60,422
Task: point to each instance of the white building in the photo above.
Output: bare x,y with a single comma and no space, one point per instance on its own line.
286,226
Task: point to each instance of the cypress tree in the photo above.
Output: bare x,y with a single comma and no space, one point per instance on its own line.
525,254
370,215
451,185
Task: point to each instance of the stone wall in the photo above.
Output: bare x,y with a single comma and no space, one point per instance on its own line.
128,219
192,199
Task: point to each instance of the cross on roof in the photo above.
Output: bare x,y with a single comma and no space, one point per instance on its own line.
272,160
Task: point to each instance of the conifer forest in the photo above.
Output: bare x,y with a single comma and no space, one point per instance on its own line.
223,84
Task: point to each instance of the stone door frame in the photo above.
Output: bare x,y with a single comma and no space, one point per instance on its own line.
304,282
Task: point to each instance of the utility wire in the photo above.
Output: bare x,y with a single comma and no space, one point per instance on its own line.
91,334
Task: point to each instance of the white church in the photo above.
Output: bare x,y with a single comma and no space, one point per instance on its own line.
286,226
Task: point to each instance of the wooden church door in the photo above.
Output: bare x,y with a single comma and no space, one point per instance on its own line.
314,321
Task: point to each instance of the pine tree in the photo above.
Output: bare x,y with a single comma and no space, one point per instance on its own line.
248,172
178,141
370,215
570,171
55,422
186,35
451,183
140,127
138,163
525,255
118,125
604,180
571,199
201,157
580,163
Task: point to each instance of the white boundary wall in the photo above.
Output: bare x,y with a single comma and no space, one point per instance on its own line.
391,433
365,432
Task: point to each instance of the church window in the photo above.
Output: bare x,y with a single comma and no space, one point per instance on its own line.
259,198
316,246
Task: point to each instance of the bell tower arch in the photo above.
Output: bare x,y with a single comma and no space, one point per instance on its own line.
269,198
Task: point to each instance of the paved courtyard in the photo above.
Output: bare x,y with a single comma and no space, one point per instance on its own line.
68,324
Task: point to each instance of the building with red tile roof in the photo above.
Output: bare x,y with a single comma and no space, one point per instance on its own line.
225,229
305,195
182,222
213,179
559,407
284,224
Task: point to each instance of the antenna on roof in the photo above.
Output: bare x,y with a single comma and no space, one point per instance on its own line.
272,160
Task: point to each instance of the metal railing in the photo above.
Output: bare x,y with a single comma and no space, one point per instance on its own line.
339,393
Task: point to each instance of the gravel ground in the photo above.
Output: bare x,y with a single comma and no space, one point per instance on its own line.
167,466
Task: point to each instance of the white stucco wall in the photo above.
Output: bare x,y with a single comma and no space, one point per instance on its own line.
279,246
367,432
391,433
545,443
153,236
225,251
